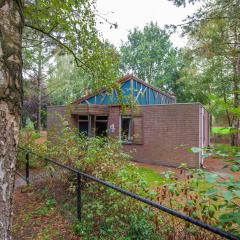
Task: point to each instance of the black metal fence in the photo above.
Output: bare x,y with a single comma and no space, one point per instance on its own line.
153,204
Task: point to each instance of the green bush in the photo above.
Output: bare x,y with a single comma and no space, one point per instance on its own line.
109,215
205,195
28,141
140,228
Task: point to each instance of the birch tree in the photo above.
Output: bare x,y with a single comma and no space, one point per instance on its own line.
11,27
71,25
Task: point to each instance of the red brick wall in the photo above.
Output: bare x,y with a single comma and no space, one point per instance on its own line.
169,131
114,120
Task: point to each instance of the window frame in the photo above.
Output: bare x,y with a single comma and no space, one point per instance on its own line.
129,139
84,121
103,120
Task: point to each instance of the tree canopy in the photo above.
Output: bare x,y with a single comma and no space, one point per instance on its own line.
151,56
47,38
214,46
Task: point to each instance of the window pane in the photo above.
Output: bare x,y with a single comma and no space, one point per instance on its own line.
101,129
126,129
83,127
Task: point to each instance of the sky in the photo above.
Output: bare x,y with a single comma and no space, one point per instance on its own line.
137,13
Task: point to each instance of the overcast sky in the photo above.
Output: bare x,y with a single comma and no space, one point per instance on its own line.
136,13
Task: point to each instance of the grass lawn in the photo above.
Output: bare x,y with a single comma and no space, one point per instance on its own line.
151,177
221,131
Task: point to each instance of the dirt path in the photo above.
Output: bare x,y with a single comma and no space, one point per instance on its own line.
37,175
34,219
43,137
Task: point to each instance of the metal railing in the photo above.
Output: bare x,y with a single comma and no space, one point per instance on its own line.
153,204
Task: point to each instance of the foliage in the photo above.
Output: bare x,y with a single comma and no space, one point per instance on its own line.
221,131
97,156
197,193
222,199
205,196
213,71
37,216
75,35
48,37
47,34
66,82
28,140
37,52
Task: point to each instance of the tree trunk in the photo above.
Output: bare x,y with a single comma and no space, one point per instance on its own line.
11,25
39,87
236,99
236,75
235,140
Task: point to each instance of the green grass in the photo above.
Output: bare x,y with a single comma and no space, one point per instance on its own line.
220,130
152,177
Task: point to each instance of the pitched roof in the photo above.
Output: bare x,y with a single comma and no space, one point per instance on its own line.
120,81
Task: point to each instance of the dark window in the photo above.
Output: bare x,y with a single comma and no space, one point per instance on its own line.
101,118
93,125
126,131
83,124
101,129
83,127
101,126
83,117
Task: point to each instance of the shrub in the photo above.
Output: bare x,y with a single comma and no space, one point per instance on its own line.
101,157
207,196
27,140
109,215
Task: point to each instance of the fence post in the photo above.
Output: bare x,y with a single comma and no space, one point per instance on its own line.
27,167
79,197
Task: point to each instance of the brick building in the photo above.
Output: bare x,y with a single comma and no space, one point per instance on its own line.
158,130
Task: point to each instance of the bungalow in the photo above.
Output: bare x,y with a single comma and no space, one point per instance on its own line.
157,131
